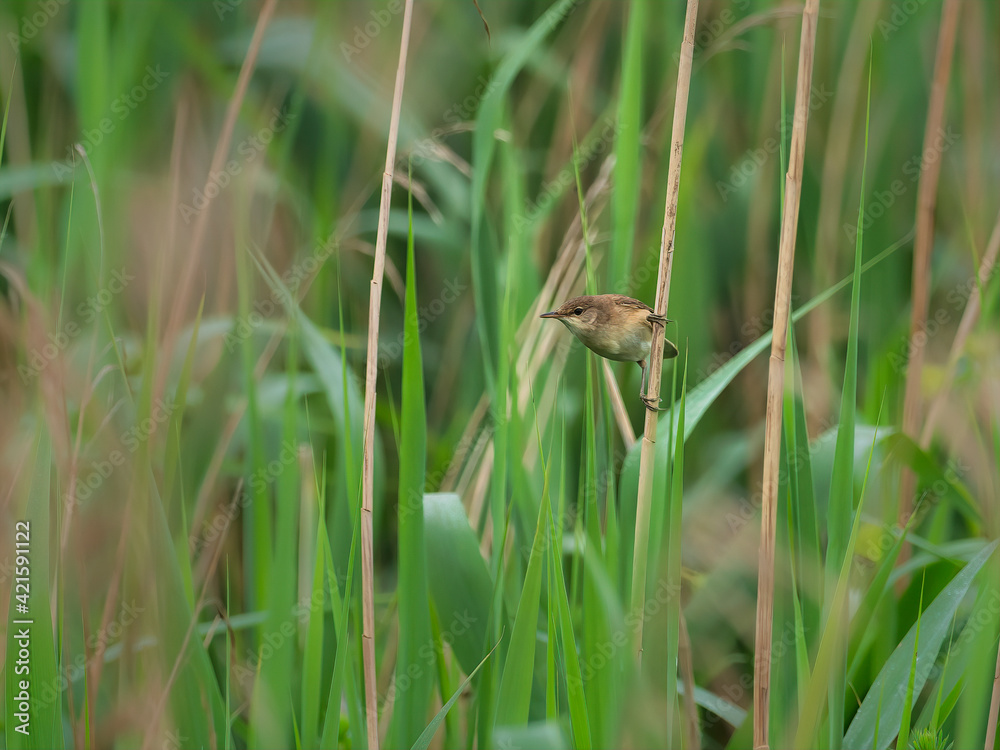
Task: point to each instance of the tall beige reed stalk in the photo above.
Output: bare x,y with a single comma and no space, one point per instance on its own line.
776,379
647,455
371,374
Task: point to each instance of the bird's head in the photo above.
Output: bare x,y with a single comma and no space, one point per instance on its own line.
580,314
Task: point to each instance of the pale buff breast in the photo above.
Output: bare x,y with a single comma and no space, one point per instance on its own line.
630,347
635,346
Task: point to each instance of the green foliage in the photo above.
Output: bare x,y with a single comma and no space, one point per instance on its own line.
186,346
412,670
928,739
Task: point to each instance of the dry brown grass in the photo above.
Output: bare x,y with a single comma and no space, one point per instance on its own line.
371,375
776,378
923,243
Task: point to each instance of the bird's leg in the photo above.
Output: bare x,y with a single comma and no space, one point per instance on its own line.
642,389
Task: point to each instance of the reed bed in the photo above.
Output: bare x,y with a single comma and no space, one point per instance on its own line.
295,463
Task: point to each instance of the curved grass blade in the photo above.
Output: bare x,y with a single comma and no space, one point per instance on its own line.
515,684
576,696
424,740
625,199
488,119
840,507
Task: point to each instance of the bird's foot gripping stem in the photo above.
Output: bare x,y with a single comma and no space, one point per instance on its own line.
651,404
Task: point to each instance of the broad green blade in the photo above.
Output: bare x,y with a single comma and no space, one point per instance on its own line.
459,581
935,624
412,670
628,172
601,691
515,684
840,508
312,654
575,694
904,724
832,645
271,713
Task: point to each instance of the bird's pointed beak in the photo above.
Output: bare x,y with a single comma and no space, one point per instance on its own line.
553,314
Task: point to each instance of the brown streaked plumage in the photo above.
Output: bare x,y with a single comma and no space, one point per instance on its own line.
616,327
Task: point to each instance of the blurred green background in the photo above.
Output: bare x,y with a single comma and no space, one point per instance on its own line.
190,192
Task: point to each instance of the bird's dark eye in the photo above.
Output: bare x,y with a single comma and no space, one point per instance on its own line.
578,311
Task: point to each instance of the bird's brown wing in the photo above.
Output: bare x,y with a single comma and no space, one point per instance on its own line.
624,301
669,350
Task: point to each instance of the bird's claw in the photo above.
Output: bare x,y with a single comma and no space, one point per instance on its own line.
655,318
651,404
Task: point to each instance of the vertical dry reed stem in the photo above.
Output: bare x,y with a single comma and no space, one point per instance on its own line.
922,244
371,374
648,451
776,378
218,161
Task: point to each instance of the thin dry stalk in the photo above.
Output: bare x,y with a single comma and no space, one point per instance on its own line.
776,378
371,375
969,318
922,244
218,161
647,454
617,404
976,116
648,450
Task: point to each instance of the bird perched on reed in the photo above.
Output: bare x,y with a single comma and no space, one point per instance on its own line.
616,327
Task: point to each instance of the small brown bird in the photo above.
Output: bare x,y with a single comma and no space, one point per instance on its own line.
616,327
